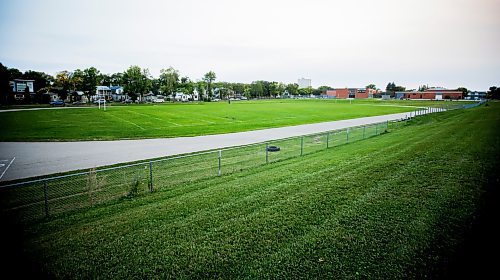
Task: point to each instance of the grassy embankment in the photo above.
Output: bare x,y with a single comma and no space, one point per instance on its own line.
399,206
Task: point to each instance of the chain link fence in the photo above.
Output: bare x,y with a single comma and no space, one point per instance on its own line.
38,199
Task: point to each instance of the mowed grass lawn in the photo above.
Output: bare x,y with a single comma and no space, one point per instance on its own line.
403,205
175,120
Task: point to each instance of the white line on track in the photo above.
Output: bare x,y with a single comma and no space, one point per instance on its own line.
7,167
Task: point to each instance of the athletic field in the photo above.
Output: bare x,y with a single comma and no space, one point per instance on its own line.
193,119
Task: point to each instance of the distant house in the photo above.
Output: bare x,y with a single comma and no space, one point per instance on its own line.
195,95
22,87
52,96
102,92
79,96
179,96
118,94
150,97
19,85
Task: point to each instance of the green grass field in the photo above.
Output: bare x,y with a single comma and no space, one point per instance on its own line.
397,206
175,120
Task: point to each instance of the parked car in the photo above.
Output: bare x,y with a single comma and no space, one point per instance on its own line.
57,103
158,100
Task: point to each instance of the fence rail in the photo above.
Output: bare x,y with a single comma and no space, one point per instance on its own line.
37,199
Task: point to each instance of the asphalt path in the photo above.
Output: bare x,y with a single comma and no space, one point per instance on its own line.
30,159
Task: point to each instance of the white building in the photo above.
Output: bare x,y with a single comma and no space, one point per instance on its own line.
102,92
19,85
304,83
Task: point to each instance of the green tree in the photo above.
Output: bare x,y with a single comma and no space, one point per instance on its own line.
321,90
464,91
77,78
493,93
169,80
186,86
117,79
62,83
200,87
391,89
155,86
91,79
371,86
41,79
209,78
423,88
137,81
292,89
4,84
257,89
274,89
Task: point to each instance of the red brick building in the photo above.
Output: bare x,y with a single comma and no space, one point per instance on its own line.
351,93
433,94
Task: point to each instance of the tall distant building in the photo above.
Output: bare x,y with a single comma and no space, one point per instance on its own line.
304,83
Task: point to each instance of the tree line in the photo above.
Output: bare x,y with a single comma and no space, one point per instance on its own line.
138,81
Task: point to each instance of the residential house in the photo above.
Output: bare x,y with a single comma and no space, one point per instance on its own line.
78,96
195,95
179,96
102,92
118,94
22,87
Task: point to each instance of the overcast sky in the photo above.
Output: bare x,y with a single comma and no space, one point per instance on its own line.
448,43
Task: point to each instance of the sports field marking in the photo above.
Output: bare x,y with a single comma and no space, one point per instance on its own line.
217,117
128,122
6,168
149,116
207,121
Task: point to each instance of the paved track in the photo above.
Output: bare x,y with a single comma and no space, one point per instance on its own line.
29,159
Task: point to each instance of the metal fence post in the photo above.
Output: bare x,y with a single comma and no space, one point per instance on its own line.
327,138
267,152
46,198
347,135
302,145
364,128
220,157
376,129
150,176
